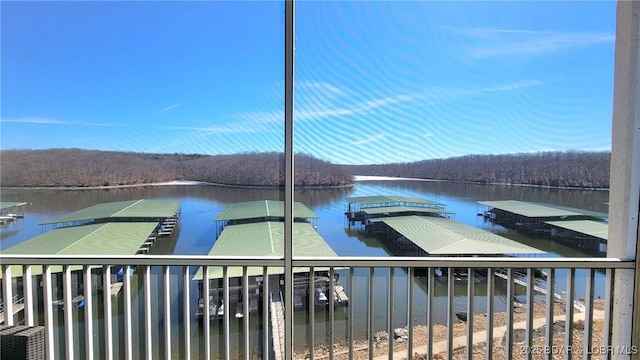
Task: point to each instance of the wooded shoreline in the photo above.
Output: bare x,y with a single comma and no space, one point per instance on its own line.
90,169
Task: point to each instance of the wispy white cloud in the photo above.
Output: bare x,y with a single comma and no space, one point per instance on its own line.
219,129
514,86
170,107
36,121
360,107
47,121
320,86
369,139
491,42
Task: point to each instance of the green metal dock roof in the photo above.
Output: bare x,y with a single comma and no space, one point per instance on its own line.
10,204
143,208
116,238
264,239
531,210
439,236
588,227
382,199
595,214
403,209
263,209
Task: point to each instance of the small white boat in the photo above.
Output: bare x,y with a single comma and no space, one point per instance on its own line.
321,297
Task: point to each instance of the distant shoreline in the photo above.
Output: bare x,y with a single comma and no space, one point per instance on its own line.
171,183
360,178
356,178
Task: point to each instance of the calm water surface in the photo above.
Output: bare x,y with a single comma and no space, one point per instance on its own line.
197,232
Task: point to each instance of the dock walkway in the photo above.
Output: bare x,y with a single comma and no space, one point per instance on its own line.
17,306
543,291
276,307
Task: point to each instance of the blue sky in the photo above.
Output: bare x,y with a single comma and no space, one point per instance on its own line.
376,82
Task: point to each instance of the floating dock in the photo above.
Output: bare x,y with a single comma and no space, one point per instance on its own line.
363,208
11,211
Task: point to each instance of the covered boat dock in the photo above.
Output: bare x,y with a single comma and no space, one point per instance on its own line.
116,238
587,235
10,211
533,216
428,235
362,208
142,210
257,229
96,239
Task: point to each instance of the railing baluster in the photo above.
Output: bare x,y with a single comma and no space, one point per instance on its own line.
431,288
27,281
450,294
48,313
88,313
186,311
128,342
225,316
491,281
390,330
108,320
206,313
371,312
410,284
8,294
312,314
529,318
332,307
245,310
352,312
147,313
568,329
470,312
509,333
68,313
265,313
166,276
606,326
551,298
588,315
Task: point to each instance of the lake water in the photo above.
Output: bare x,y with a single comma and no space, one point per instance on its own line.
197,232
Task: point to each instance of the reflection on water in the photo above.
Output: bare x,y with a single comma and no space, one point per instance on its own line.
196,235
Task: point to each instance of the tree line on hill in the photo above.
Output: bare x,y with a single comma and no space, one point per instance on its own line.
558,169
84,168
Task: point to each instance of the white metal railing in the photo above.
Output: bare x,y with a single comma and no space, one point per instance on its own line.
176,301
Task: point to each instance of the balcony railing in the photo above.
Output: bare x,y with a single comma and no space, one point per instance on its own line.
158,314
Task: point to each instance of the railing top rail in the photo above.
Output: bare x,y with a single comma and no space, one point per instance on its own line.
340,261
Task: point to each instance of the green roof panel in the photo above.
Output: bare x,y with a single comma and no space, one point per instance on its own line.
588,227
440,236
401,209
403,200
531,210
117,238
143,208
265,239
10,204
262,209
